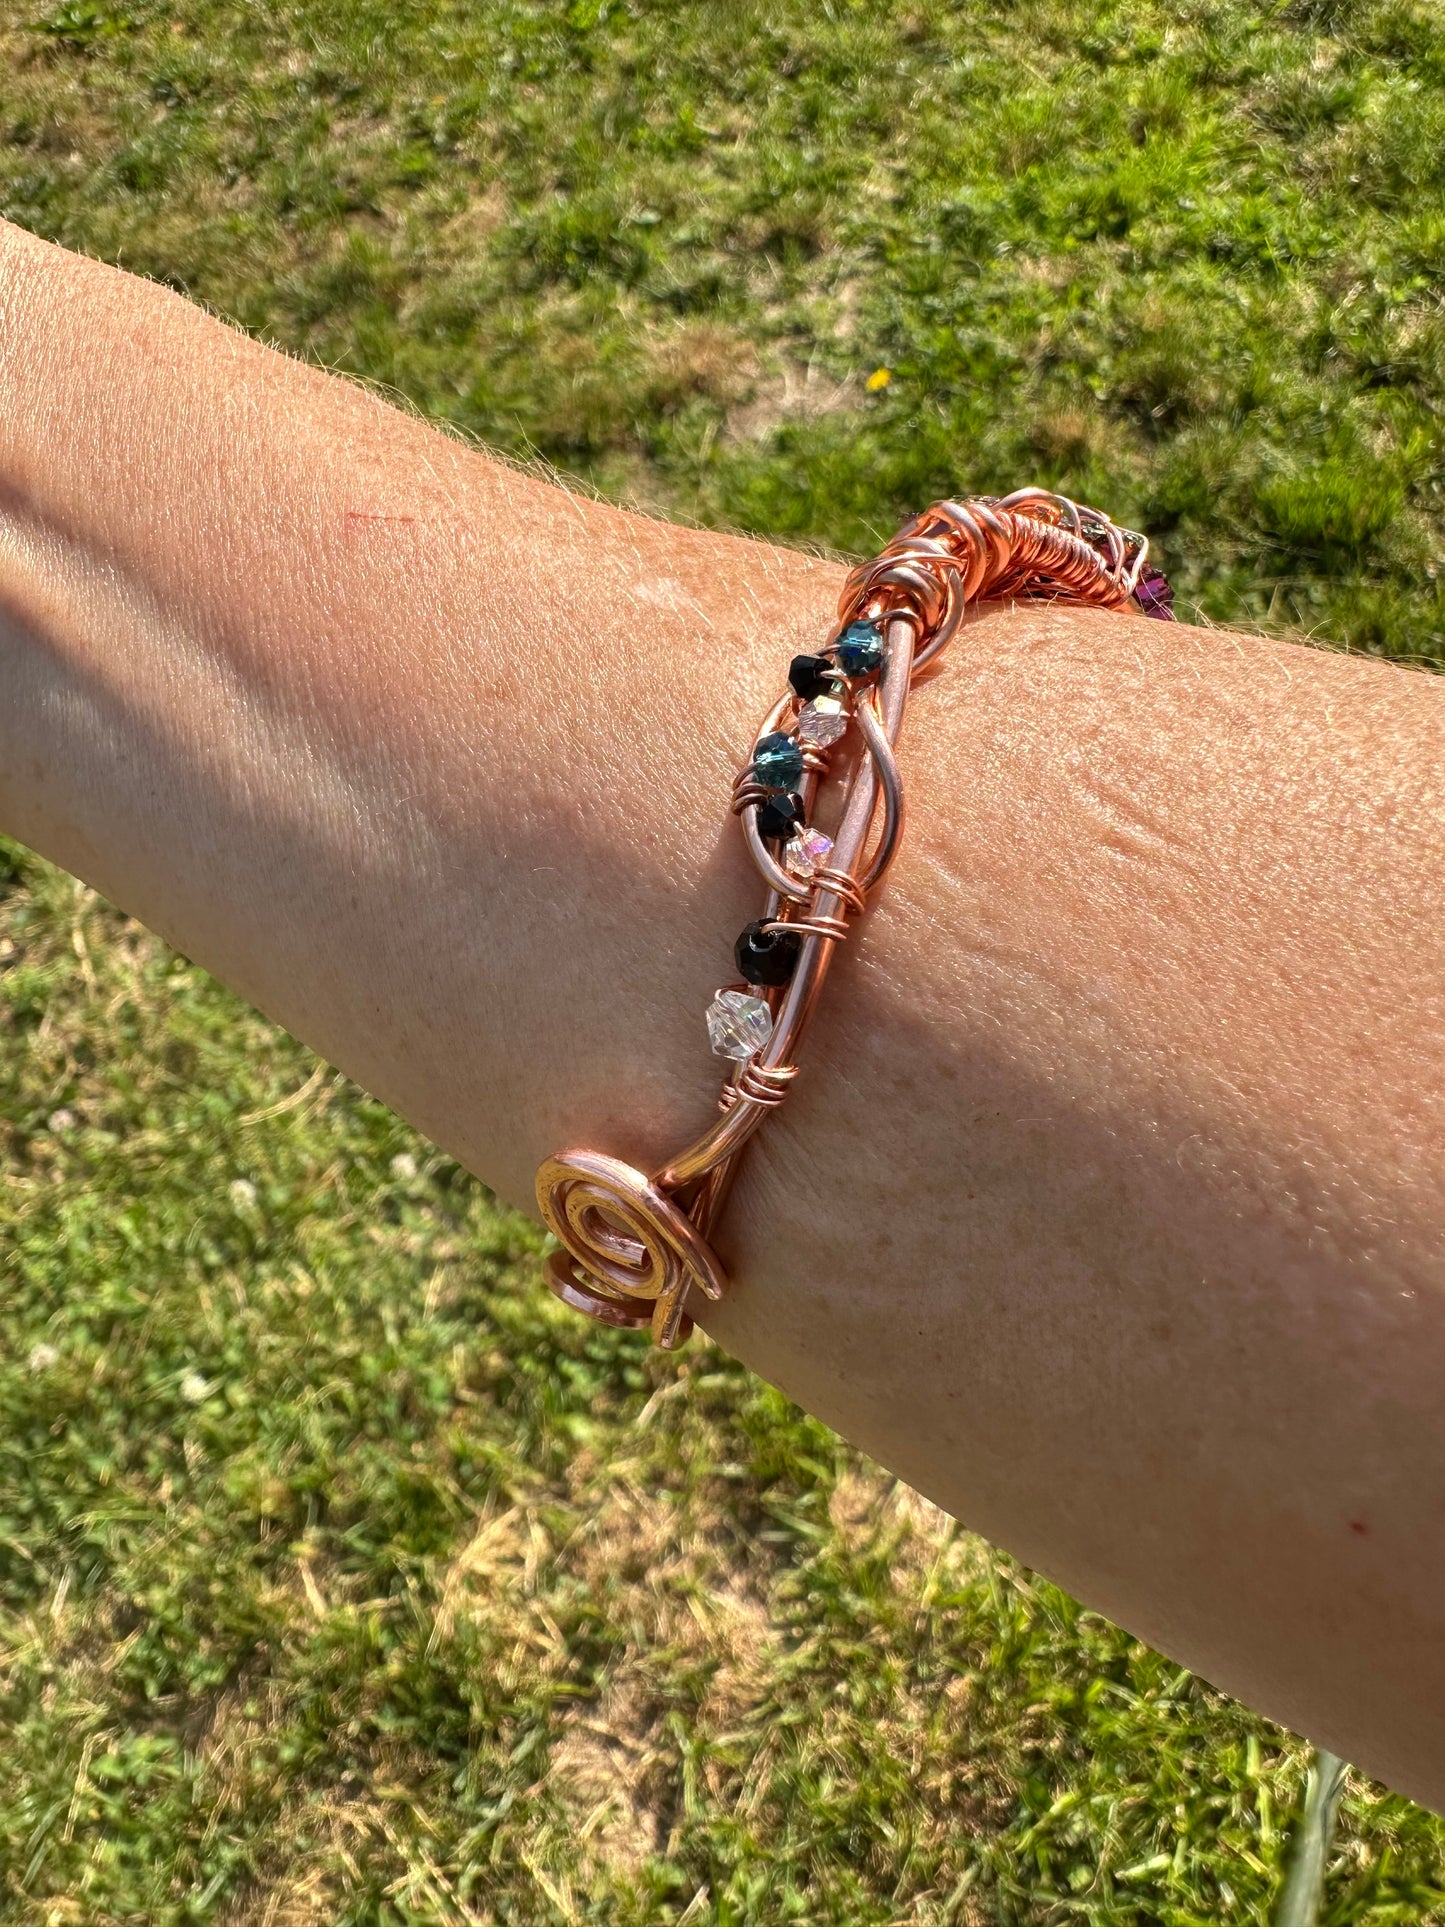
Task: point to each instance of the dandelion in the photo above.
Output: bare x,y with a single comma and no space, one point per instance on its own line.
62,1120
195,1389
403,1167
41,1358
243,1193
879,379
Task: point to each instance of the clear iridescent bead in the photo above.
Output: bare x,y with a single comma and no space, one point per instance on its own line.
806,852
738,1024
822,721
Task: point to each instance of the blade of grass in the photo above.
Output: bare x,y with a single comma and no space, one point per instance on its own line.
1303,1889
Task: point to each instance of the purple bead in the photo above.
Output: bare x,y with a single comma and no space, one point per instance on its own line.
1154,595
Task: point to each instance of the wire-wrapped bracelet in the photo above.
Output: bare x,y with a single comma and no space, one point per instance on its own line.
633,1247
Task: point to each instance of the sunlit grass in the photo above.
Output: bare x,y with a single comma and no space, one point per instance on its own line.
346,1579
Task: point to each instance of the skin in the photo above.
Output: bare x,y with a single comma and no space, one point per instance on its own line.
1109,1207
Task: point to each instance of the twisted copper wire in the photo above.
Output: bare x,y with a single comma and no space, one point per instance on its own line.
747,790
632,1247
1029,547
842,885
833,928
765,1083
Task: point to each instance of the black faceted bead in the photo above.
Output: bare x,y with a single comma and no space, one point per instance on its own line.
813,676
780,815
766,956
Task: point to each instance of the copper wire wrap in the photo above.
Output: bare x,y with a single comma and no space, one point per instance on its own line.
635,1249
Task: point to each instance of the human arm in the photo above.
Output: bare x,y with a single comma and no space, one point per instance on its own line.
1108,1206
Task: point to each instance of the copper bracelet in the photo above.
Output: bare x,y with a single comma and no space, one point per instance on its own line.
633,1247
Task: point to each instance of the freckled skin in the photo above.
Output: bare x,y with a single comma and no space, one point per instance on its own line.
1109,1206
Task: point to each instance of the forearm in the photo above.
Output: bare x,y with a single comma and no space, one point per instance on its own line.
1108,1207
388,734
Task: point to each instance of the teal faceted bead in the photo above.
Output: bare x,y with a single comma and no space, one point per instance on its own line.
860,649
778,762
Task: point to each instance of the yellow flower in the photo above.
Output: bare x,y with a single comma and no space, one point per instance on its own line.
879,378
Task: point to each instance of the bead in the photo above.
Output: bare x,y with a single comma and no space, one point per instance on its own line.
813,676
822,721
1154,595
860,649
778,762
780,815
766,956
806,851
738,1024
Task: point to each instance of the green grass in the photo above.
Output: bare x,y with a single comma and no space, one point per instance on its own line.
1186,260
345,1579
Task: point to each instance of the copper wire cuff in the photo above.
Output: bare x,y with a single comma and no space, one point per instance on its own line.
636,1250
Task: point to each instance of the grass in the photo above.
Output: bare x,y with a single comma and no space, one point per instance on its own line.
345,1580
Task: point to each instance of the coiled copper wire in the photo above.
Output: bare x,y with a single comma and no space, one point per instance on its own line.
633,1247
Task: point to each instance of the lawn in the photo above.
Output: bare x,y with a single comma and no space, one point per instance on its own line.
345,1578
